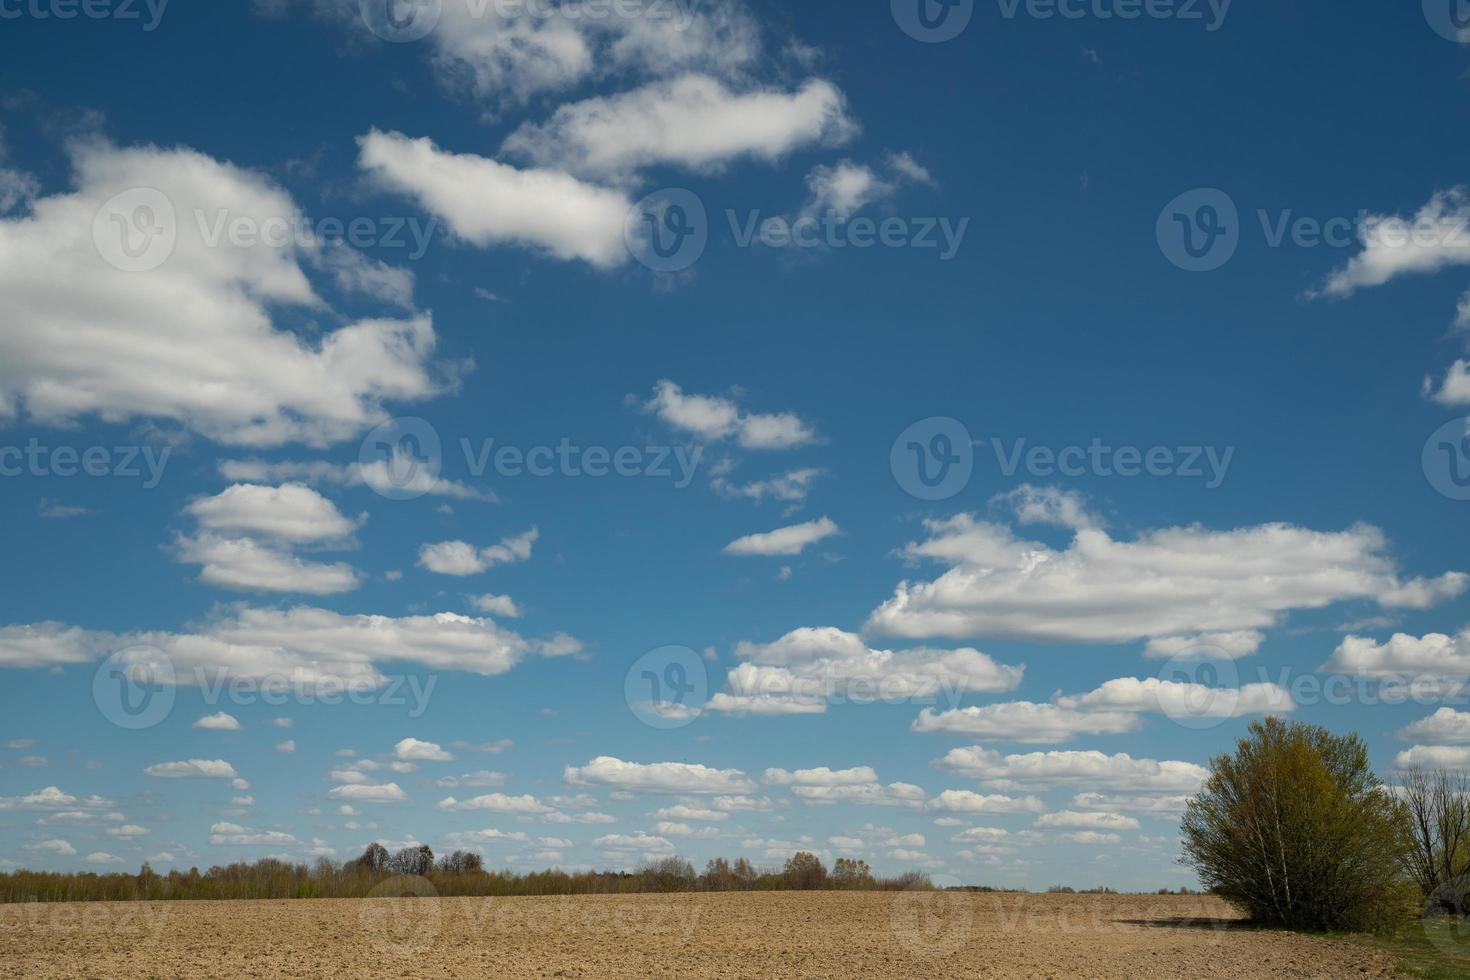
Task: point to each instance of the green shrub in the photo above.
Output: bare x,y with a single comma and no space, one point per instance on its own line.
1297,831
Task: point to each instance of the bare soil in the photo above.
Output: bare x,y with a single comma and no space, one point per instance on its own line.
908,935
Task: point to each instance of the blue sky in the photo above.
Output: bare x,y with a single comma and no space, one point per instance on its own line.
314,305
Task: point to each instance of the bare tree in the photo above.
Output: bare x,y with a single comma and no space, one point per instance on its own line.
1436,815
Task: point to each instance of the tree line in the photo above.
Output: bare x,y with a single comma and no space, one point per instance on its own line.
376,872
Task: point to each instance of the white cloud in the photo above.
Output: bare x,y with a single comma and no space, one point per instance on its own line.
193,340
633,842
1445,727
684,812
1231,645
497,803
218,722
1436,237
55,846
298,648
1434,757
1046,769
841,191
1087,821
471,780
858,785
247,565
693,121
490,203
791,540
234,835
369,793
965,801
496,605
657,777
1172,582
413,750
102,857
193,769
714,418
460,558
798,672
286,747
505,53
291,513
382,475
1165,805
1433,655
1025,721
52,798
1091,837
1180,698
790,487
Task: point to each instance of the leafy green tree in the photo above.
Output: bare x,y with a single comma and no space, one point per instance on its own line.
1296,830
805,872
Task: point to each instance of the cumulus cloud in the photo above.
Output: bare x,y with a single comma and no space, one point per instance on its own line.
194,340
300,648
293,513
413,750
1434,757
1047,769
218,722
657,777
1445,727
462,559
369,793
1111,709
692,121
966,801
1025,721
714,418
247,565
506,54
193,769
792,540
1436,237
234,835
383,475
496,605
1431,656
1174,582
1087,821
800,671
53,798
858,785
497,803
489,203
790,487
